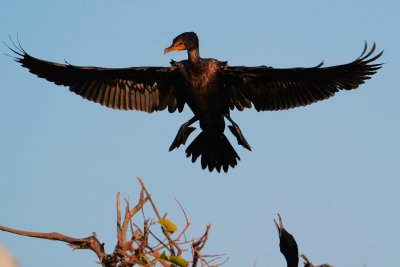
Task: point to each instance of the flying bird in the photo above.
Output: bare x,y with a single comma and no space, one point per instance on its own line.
210,88
287,244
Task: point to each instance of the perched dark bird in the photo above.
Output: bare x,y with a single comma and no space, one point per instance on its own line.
209,87
287,244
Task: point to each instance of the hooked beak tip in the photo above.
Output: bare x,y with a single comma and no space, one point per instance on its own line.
167,50
174,47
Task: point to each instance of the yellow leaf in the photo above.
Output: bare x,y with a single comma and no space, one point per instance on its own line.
163,256
144,260
178,260
168,224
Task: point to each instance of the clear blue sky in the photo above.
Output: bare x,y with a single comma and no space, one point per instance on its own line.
331,169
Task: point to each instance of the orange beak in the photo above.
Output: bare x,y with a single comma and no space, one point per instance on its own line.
174,47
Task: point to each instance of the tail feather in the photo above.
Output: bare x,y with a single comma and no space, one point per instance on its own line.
215,150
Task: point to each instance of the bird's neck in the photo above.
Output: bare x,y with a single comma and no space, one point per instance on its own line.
193,55
294,262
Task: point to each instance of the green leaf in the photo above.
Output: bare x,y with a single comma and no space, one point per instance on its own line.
163,256
144,260
168,224
178,260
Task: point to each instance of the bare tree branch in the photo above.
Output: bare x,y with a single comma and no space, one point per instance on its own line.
139,249
89,242
198,246
308,263
187,221
171,243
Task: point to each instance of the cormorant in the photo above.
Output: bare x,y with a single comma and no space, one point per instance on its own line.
287,244
289,249
209,87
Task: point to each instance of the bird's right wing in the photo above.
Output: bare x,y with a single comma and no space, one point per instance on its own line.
138,88
269,88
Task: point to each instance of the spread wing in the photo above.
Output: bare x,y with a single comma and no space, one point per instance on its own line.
138,88
277,89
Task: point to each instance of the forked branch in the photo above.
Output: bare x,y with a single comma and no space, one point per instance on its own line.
90,242
308,263
141,247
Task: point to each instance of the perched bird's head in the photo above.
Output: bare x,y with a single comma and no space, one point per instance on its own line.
184,41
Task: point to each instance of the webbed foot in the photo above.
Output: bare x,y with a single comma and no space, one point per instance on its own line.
184,131
238,133
239,136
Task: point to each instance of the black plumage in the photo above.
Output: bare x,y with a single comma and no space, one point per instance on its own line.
209,87
287,244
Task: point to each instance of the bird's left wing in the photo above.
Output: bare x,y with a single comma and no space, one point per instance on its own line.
138,88
277,89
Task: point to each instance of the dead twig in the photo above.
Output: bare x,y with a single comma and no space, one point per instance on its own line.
139,248
171,243
187,222
198,246
90,242
308,263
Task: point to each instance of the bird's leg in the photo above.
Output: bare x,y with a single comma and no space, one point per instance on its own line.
184,131
237,133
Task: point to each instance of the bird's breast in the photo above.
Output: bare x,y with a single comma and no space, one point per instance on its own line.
204,93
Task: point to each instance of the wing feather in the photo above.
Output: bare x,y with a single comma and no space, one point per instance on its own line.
99,95
138,88
277,89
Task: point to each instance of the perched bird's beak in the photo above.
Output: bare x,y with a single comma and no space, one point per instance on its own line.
174,47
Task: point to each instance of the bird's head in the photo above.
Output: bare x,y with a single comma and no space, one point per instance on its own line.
184,41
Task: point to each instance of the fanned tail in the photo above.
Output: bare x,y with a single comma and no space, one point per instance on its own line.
215,150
